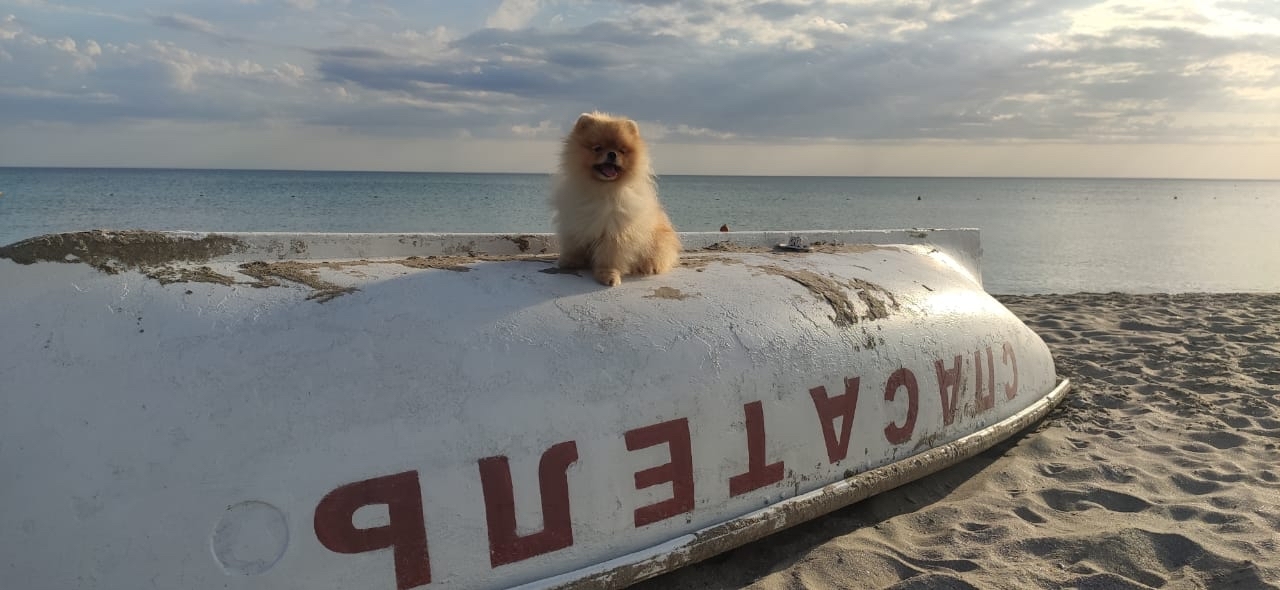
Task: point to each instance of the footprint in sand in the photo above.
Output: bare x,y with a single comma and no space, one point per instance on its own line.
1079,444
1220,439
1074,501
1237,421
1108,581
1219,476
933,582
1029,515
1193,486
1146,327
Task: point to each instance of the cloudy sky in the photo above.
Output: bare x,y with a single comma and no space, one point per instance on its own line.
1172,88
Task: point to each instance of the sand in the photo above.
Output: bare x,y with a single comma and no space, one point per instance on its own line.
1161,470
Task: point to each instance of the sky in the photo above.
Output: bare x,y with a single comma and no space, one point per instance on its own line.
1169,89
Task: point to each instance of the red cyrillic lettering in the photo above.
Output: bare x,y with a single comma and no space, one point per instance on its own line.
902,378
949,379
1011,389
505,546
679,471
758,473
405,532
986,400
829,408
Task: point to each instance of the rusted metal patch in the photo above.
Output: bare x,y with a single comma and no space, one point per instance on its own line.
168,274
302,273
525,242
699,262
671,293
815,247
728,246
722,252
825,288
114,251
453,263
878,301
717,539
871,295
161,256
305,273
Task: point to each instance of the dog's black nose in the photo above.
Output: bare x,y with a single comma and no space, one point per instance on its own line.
613,156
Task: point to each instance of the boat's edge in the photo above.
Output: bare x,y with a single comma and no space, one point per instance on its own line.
115,250
703,544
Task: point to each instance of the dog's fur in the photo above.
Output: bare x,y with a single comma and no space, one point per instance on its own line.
608,216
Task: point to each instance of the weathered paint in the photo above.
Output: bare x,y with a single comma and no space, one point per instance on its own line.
429,428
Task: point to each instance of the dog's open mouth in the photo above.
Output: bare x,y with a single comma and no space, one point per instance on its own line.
607,171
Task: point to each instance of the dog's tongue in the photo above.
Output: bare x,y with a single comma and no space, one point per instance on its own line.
608,170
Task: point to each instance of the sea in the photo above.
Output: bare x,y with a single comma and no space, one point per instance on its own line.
1039,235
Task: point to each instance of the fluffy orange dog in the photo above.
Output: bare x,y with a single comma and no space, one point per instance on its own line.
608,215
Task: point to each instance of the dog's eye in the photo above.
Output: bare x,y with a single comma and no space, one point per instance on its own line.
596,148
622,151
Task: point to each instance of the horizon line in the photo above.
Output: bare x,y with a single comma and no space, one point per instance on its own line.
703,174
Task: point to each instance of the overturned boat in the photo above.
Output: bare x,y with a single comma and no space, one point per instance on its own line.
263,410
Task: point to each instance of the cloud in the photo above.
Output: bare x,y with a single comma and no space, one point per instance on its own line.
65,44
9,28
513,14
82,81
186,22
54,7
24,92
771,71
544,129
681,132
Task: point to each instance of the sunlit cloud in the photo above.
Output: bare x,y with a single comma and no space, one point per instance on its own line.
757,72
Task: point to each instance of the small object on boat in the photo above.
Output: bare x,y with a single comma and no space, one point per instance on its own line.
796,243
724,227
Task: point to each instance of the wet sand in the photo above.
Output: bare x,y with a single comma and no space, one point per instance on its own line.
1160,470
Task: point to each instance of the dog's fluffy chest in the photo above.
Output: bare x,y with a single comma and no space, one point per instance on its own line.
605,215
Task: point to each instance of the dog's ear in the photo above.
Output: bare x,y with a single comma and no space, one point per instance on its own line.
585,120
633,127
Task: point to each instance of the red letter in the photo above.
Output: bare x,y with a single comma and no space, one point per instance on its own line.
758,474
902,378
1011,389
405,531
949,379
505,546
679,471
829,408
988,400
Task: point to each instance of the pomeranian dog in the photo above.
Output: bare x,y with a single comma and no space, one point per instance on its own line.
608,216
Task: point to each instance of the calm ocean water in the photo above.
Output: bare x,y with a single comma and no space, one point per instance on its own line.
1038,235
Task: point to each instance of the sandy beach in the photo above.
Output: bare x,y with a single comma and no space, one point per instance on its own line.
1161,470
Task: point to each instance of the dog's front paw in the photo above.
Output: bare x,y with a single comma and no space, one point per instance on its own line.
609,277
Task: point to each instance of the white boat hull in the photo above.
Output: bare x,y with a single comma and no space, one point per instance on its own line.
343,416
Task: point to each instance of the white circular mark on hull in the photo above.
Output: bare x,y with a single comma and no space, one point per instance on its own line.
250,538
